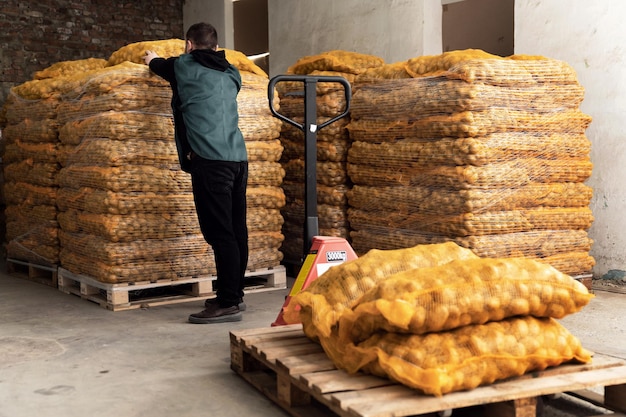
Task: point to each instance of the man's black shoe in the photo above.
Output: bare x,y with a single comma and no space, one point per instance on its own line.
216,314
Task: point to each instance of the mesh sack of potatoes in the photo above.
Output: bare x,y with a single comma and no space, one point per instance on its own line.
329,216
506,174
118,253
321,304
253,101
515,72
328,173
243,63
265,240
18,150
135,52
179,267
462,359
330,151
17,109
122,126
123,99
329,104
269,197
332,132
264,258
462,292
26,213
114,153
572,263
29,130
262,219
264,150
390,238
475,224
430,65
470,124
394,71
100,201
255,127
474,151
42,173
50,89
265,173
20,192
64,68
334,196
531,244
137,178
422,97
335,60
30,248
108,79
128,227
42,231
136,226
567,195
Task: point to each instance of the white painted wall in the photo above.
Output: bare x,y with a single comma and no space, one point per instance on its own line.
590,36
394,30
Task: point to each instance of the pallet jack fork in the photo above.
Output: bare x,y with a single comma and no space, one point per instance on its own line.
321,252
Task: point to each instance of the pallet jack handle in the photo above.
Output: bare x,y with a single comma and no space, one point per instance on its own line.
310,129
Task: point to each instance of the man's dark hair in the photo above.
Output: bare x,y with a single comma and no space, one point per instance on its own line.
203,35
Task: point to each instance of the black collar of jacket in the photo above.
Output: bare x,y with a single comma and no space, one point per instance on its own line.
211,59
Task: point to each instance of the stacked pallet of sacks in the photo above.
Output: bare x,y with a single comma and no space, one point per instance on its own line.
485,151
126,210
332,146
30,147
440,319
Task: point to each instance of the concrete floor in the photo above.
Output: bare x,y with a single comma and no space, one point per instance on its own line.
64,356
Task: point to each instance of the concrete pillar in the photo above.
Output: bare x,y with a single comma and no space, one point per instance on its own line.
219,13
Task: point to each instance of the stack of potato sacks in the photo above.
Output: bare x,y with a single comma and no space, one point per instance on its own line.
126,211
439,319
332,146
30,131
485,151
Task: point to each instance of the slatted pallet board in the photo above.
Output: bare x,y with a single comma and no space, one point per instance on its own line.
145,294
42,274
296,374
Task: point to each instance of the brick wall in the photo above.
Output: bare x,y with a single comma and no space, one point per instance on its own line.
34,35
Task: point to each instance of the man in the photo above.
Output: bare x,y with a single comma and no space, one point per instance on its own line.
212,149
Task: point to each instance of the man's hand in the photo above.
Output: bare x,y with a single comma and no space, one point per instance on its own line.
149,56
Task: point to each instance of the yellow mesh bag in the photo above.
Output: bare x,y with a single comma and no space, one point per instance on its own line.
336,60
429,65
135,52
472,291
243,63
60,69
321,304
465,358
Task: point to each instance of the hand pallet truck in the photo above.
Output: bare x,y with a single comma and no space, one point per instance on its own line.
322,252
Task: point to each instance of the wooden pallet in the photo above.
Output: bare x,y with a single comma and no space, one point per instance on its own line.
144,294
42,274
586,280
296,374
